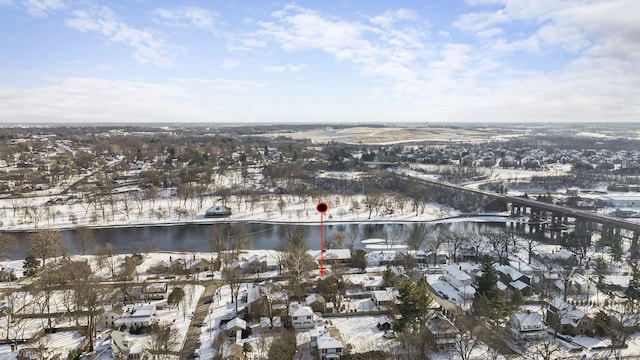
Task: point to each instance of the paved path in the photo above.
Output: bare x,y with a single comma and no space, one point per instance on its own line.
192,339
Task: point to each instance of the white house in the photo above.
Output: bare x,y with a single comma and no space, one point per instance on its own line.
110,316
329,348
327,343
137,315
456,277
301,316
383,297
527,326
331,255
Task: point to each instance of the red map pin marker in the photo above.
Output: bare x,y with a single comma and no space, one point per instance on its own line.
322,208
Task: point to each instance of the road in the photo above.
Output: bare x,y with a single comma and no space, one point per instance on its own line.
192,339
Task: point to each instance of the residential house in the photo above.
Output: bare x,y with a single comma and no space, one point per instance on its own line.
441,333
332,255
527,326
562,256
383,297
302,317
419,256
327,343
508,274
374,283
436,257
316,303
154,291
136,316
109,317
377,258
567,319
456,277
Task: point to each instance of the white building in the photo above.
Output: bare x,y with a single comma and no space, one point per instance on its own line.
527,326
383,297
327,343
456,277
137,315
302,317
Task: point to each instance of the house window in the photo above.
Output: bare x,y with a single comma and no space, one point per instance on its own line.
308,317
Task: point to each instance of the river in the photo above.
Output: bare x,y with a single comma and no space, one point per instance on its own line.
195,237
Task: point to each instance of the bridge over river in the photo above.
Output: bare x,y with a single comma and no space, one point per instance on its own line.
546,216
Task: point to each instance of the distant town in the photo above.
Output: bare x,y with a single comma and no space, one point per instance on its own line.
490,241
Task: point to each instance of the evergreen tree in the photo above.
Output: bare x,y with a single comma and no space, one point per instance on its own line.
633,290
175,297
616,246
388,276
489,300
414,300
31,265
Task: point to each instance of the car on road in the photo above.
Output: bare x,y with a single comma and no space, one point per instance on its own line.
208,301
196,353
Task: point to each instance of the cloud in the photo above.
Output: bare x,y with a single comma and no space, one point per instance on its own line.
41,8
283,68
230,64
148,48
103,100
377,48
186,16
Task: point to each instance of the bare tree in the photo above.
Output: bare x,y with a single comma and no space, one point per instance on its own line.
373,200
90,300
298,265
545,349
479,245
455,241
45,244
85,238
417,236
232,275
107,258
338,238
163,341
500,243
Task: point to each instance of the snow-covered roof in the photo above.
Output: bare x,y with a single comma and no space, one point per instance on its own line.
386,255
266,322
300,310
374,283
327,342
456,273
236,324
313,298
528,319
510,271
439,324
518,285
336,254
382,295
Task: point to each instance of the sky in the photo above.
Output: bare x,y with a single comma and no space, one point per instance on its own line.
345,61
